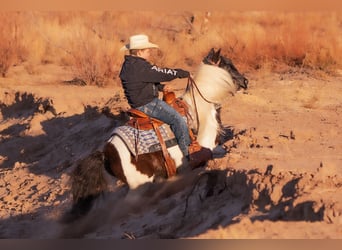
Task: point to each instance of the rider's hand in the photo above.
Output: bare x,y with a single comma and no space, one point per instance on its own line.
182,73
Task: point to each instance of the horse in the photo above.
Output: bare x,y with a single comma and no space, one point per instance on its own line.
215,79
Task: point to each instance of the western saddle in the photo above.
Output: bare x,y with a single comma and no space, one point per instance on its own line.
198,155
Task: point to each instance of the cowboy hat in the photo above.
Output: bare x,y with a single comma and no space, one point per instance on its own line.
139,42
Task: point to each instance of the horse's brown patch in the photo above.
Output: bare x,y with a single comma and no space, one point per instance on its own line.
151,164
113,162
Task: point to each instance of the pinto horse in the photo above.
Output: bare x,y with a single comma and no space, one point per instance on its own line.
215,79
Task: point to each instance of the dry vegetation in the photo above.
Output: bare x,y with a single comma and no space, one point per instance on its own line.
89,42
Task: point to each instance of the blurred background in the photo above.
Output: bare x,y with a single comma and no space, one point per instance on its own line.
89,42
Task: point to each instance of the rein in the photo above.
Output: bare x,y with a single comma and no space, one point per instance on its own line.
191,85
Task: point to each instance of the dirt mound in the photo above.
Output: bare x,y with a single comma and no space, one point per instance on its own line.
38,146
191,205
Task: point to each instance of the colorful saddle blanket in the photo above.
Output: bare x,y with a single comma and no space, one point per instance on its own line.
144,141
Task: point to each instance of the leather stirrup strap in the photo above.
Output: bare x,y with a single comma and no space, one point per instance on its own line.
136,137
169,162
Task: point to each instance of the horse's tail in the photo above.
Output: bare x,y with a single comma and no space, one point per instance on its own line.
88,182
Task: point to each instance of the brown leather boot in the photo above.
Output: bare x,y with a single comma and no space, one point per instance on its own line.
198,155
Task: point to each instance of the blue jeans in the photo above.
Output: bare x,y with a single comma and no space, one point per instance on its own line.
162,111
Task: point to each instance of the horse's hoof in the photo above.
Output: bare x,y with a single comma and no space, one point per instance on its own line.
219,152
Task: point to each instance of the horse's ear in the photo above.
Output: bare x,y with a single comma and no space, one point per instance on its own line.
213,56
216,56
218,52
211,53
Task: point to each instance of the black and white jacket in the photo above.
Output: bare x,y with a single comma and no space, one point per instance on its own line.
141,80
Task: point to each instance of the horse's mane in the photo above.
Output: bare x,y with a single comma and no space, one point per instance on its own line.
214,83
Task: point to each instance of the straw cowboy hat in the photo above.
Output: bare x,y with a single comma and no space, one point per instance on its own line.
139,42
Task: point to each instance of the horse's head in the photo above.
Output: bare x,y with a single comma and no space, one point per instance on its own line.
214,58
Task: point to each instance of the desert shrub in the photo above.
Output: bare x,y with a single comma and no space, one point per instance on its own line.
7,55
92,63
93,54
89,42
9,41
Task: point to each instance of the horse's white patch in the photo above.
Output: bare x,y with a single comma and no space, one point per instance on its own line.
221,83
177,155
214,85
133,176
208,128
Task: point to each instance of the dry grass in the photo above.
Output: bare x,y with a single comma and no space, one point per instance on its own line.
89,42
11,50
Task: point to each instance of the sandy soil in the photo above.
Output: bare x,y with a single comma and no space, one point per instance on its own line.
281,177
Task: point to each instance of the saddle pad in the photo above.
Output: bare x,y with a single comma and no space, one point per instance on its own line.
147,140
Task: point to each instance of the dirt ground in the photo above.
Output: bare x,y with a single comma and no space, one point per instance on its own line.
280,178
